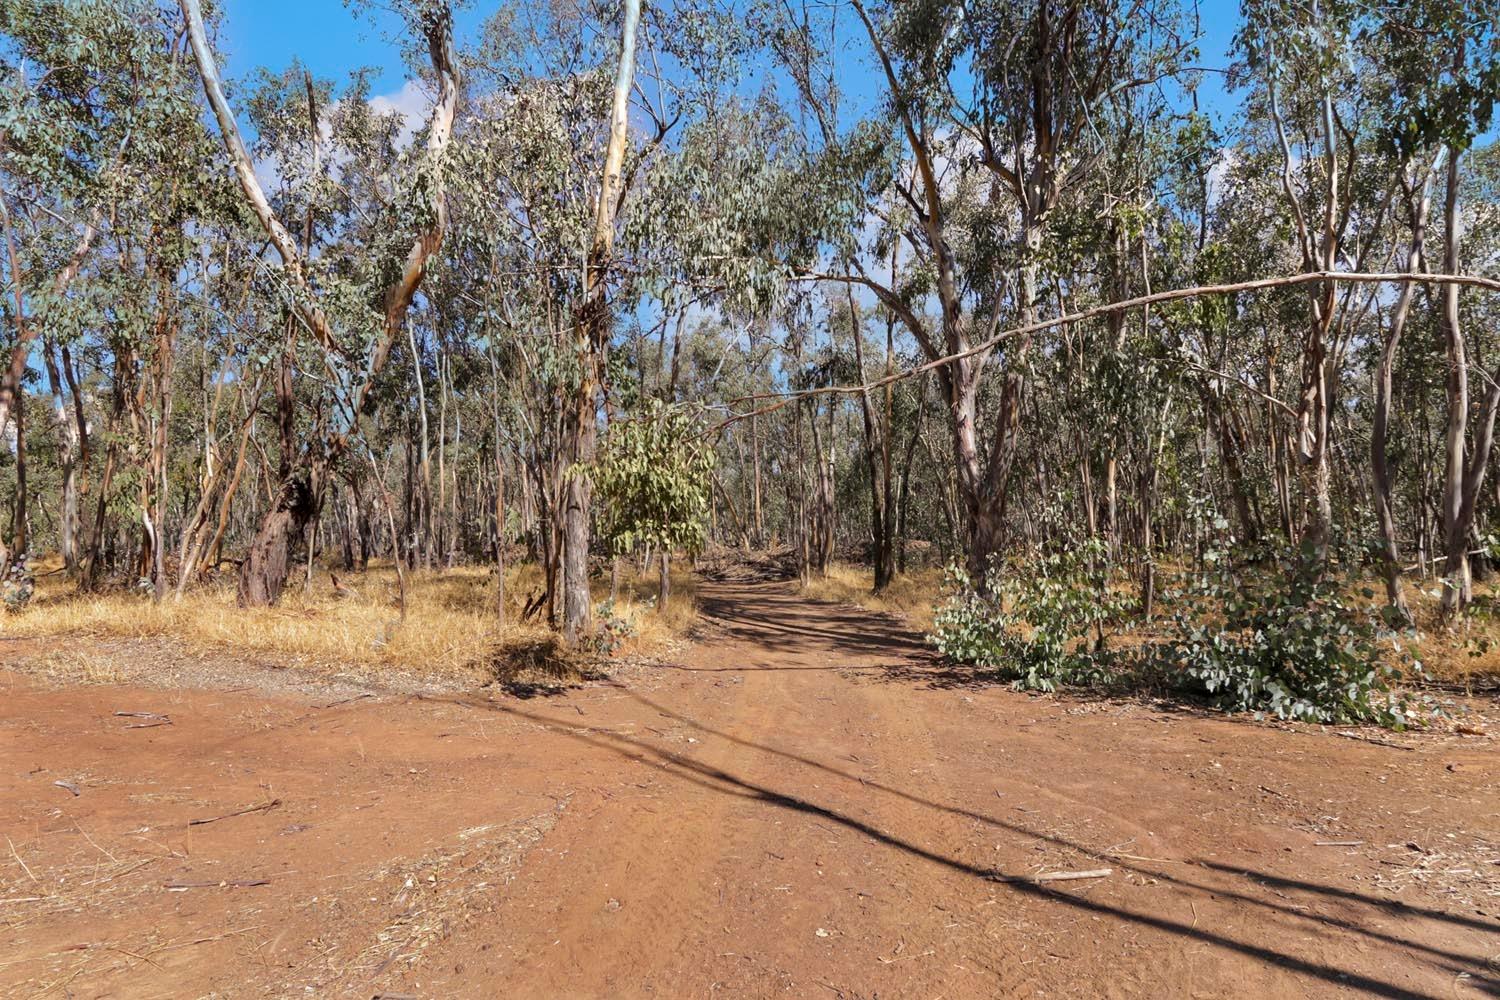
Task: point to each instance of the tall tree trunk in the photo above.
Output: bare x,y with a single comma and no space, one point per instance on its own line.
904,501
1390,556
423,524
664,591
591,326
19,521
1457,503
877,462
67,433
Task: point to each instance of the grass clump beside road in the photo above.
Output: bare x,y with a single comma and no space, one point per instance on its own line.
450,629
911,596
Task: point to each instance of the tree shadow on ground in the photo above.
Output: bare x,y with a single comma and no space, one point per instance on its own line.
1476,967
779,622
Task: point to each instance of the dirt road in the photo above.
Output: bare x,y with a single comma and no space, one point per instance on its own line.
802,805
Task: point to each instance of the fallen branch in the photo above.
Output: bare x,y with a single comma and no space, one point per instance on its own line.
263,807
344,701
1055,876
1377,742
234,884
1338,843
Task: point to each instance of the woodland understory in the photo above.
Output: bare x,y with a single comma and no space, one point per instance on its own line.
920,286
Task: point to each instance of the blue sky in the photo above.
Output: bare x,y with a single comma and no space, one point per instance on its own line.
332,40
325,34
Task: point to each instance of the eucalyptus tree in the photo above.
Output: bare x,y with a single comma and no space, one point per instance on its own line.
1447,105
368,306
92,111
591,333
1311,105
999,114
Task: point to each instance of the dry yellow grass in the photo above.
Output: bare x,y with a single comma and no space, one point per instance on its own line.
449,630
1466,653
911,596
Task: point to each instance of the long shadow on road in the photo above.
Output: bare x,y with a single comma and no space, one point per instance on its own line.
780,622
718,780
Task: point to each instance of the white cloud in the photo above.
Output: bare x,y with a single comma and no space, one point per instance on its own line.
411,102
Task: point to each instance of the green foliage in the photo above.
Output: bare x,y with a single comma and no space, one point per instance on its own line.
17,586
612,630
1032,626
1277,637
653,481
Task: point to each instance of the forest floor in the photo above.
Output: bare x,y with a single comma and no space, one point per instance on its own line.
801,803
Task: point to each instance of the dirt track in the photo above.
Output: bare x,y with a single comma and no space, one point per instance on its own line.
802,806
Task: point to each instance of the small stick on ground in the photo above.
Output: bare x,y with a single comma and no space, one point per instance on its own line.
263,807
227,884
1377,742
345,701
95,846
1338,843
1055,876
19,861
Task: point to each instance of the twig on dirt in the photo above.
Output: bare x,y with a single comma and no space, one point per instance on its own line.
1338,843
141,715
205,940
20,862
69,785
59,983
149,725
1055,876
345,701
94,845
263,807
225,884
393,955
144,958
132,868
1371,739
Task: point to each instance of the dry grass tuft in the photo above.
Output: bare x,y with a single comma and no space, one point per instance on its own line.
69,666
1466,653
450,630
910,596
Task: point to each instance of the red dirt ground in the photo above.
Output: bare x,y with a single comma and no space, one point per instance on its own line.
802,805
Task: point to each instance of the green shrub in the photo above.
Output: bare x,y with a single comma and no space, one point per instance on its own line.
612,630
1037,626
1279,638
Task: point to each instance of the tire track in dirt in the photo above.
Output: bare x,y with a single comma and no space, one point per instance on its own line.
801,805
886,868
